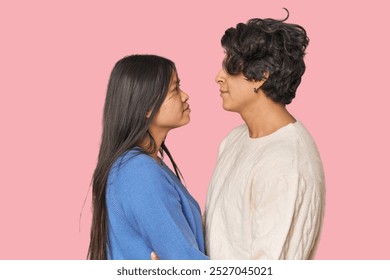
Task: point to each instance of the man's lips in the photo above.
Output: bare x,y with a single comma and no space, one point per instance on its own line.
223,91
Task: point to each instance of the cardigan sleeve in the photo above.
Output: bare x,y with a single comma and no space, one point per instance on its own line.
153,206
286,218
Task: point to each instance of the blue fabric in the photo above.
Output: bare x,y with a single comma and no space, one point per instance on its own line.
150,210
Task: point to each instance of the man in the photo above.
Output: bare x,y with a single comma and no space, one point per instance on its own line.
266,197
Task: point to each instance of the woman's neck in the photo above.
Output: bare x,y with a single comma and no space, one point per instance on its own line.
158,138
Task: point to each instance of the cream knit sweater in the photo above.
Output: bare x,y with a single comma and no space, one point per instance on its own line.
266,198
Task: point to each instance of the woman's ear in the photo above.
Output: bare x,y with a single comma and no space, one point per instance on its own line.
148,113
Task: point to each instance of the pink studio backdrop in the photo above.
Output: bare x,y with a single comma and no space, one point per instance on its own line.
55,63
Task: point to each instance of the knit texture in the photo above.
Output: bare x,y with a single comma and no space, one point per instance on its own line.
266,198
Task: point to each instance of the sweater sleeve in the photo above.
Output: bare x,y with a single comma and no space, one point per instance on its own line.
286,218
152,204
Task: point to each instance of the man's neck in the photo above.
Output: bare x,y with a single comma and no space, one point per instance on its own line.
265,117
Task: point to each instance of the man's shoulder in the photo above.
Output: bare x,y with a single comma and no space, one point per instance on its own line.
238,131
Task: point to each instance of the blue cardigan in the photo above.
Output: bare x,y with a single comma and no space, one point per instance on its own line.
149,209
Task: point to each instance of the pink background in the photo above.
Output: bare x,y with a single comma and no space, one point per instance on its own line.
55,60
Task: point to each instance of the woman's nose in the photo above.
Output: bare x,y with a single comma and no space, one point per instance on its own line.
184,96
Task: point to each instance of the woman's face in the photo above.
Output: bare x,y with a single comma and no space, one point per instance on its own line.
174,111
236,91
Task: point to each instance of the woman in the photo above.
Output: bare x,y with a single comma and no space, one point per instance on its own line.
139,205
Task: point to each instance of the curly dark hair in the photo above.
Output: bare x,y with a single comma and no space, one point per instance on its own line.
267,47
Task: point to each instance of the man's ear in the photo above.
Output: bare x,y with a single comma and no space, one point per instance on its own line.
258,84
264,79
265,76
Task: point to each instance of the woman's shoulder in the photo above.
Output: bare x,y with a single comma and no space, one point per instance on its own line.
135,157
136,175
134,164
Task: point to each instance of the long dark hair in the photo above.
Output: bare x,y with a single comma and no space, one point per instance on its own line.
138,84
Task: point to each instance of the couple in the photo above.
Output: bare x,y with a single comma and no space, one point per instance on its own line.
266,197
